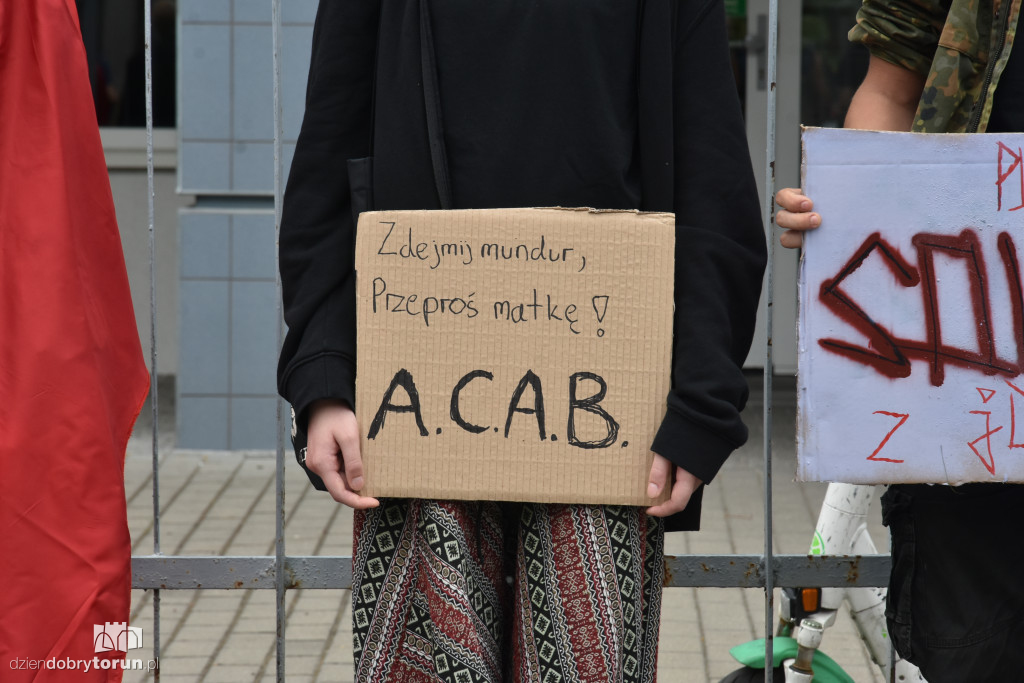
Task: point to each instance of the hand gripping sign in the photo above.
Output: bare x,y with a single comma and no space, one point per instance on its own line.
515,354
911,309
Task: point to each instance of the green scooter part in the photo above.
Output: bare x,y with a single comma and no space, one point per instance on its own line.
751,654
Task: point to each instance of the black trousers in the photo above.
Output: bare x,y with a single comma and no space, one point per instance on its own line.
955,605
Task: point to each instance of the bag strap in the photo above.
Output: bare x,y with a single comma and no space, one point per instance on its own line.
432,102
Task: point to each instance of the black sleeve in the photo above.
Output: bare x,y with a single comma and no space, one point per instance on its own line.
317,241
720,249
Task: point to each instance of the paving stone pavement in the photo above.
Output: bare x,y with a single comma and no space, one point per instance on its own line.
222,503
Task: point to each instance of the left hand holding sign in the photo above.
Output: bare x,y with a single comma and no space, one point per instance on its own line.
333,431
796,215
683,485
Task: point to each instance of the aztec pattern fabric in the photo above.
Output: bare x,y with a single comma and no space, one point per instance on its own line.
431,602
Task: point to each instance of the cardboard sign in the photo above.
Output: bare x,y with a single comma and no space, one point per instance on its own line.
911,310
514,354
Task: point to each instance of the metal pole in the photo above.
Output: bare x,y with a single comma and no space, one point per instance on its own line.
153,389
769,360
278,192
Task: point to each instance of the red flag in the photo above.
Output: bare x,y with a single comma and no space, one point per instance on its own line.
72,377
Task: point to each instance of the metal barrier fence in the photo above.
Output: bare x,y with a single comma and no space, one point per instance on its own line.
280,572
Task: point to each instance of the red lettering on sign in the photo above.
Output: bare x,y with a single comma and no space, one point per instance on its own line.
1013,417
967,247
1008,252
891,355
903,418
989,462
1002,176
882,353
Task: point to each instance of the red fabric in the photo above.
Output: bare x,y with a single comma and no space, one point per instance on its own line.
72,377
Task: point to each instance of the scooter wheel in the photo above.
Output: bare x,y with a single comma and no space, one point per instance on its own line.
749,674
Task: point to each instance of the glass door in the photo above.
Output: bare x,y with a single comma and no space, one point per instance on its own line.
816,74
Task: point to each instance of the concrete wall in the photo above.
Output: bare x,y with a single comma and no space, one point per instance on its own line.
228,302
126,163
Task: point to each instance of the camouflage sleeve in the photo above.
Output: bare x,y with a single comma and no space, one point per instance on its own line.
902,32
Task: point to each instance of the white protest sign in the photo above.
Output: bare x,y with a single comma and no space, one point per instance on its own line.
911,313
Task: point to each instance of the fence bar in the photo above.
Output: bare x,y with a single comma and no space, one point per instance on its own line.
335,572
747,571
281,573
769,360
153,386
183,572
279,560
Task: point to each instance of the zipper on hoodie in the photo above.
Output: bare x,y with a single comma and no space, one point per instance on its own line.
1002,21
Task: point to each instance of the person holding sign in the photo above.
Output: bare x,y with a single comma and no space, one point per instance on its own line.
418,104
955,605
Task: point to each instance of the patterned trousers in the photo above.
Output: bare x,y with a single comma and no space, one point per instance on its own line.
450,592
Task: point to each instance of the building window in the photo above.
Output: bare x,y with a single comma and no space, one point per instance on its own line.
114,35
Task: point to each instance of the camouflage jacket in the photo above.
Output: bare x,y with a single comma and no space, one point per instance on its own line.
960,46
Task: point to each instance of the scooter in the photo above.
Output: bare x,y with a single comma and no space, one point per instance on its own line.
804,613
